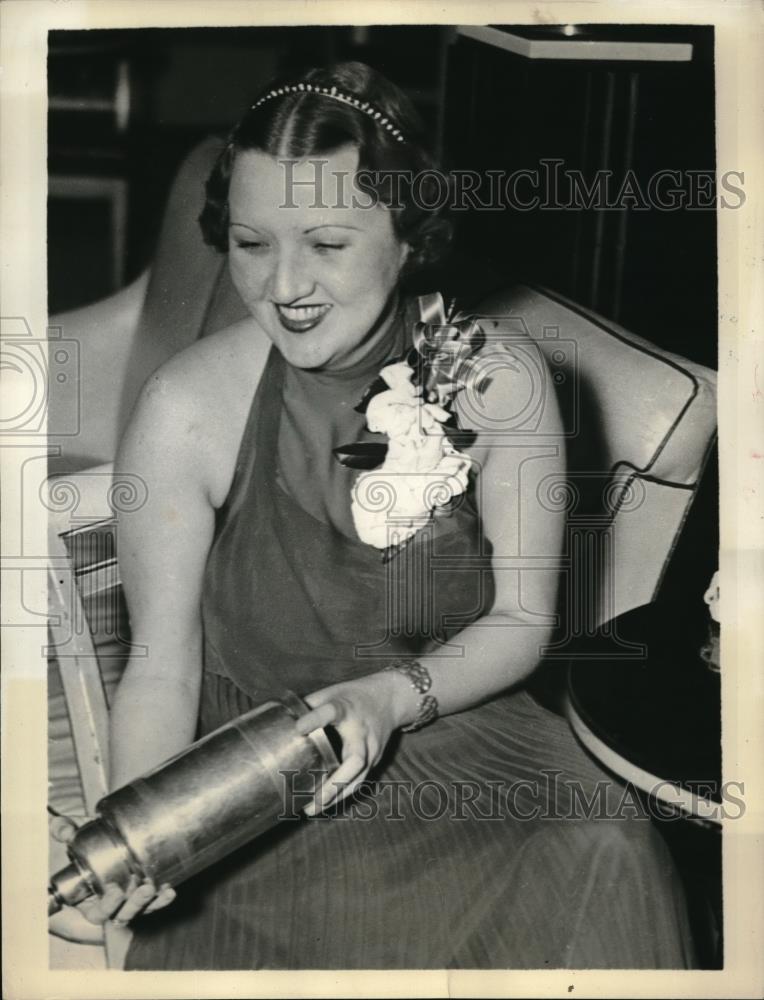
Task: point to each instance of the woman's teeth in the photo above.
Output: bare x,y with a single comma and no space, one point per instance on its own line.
302,312
298,319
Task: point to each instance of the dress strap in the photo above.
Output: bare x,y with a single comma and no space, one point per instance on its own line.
256,457
268,417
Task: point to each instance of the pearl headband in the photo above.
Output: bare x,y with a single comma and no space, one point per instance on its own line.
335,95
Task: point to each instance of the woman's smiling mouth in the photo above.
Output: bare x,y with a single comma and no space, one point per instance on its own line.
300,319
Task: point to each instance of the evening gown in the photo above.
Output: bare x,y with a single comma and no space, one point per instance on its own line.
464,852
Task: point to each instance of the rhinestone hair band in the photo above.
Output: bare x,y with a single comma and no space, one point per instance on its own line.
335,95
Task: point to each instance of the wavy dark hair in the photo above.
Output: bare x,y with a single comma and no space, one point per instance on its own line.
304,124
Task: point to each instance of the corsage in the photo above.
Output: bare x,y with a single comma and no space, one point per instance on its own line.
419,470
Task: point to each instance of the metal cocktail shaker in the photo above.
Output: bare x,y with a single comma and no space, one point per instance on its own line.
214,796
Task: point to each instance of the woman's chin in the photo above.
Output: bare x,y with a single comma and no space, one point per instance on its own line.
303,355
315,349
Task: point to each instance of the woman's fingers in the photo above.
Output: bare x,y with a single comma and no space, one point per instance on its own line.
354,713
62,828
103,908
71,924
356,761
164,897
122,905
327,714
136,903
351,768
352,786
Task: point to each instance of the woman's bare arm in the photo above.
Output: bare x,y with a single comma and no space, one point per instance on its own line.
182,442
525,529
179,452
502,647
163,548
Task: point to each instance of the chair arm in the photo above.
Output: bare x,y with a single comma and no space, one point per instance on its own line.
89,402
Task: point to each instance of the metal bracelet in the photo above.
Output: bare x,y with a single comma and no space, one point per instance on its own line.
419,677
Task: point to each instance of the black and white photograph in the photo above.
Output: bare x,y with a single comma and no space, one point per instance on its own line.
375,445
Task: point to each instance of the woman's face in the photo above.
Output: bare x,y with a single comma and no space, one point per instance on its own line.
314,269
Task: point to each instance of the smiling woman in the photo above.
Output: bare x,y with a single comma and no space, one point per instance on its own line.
451,833
320,281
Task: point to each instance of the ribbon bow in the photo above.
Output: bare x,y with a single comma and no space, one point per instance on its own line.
445,344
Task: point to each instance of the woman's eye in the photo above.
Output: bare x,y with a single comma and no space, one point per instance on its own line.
323,247
250,245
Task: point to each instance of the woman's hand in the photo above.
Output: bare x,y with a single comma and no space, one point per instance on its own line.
115,904
365,713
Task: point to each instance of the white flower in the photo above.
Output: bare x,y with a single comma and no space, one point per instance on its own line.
389,413
422,469
399,376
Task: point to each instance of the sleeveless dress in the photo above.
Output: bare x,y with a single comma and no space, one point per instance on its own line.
466,850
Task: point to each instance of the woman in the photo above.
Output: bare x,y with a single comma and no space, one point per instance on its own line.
247,572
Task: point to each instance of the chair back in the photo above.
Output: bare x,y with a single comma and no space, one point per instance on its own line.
190,293
639,423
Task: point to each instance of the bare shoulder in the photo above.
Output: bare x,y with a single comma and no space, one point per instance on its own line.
511,399
214,370
193,409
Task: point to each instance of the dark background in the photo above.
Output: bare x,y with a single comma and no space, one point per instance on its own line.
653,271
488,109
184,85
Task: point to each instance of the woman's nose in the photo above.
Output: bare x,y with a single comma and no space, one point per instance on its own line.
290,279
